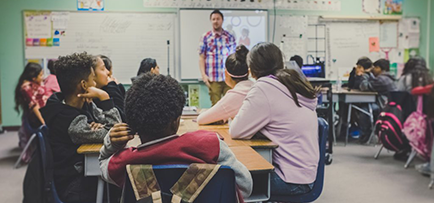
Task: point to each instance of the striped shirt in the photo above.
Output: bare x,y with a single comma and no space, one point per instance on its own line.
216,48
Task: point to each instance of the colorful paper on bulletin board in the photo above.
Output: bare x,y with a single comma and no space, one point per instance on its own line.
37,24
193,95
392,7
409,53
374,44
90,5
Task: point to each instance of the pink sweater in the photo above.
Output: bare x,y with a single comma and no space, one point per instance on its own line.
51,83
270,109
228,106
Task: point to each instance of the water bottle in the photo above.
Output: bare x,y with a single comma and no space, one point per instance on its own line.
339,84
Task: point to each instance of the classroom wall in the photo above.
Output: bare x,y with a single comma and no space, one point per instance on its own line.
431,53
12,52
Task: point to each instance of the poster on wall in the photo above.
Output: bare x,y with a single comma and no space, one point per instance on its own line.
371,6
392,7
90,5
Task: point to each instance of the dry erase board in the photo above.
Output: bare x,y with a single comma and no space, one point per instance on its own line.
194,23
126,38
347,42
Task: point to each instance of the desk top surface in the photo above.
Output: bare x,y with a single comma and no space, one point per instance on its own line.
354,92
241,148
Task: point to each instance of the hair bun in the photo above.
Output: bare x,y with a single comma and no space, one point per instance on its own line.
241,53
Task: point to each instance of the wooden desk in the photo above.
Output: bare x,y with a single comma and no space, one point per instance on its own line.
256,155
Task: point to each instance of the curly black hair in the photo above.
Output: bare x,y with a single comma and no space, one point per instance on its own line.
72,69
152,103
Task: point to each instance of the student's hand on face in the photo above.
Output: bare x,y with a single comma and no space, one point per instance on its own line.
359,71
120,134
96,126
205,79
93,93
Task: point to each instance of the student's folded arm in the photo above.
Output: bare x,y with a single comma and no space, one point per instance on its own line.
243,178
253,115
106,153
81,133
116,94
107,114
365,84
215,113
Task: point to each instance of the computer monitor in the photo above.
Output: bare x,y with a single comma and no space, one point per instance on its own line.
314,70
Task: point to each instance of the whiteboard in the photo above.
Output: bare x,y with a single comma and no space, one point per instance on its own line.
194,23
347,42
126,38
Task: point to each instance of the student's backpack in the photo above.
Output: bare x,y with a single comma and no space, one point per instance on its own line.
418,130
388,128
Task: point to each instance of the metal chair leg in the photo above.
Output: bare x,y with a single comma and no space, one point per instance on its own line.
18,163
378,153
410,158
431,184
350,107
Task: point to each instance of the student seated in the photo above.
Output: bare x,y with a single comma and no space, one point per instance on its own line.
236,77
104,80
281,106
377,78
73,120
153,108
30,96
364,63
414,68
51,81
147,65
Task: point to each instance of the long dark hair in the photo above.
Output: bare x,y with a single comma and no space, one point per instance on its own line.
411,64
266,59
107,62
236,64
146,65
32,70
420,76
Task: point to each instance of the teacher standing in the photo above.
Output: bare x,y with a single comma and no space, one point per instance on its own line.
215,46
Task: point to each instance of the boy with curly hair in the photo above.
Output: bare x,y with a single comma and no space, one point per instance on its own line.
73,120
153,108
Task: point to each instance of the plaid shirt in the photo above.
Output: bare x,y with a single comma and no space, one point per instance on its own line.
216,48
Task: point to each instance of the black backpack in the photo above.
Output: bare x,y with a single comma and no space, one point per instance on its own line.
389,128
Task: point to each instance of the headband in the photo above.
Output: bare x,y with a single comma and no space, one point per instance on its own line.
237,76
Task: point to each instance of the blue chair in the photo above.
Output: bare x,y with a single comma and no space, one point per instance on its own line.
221,188
47,164
319,182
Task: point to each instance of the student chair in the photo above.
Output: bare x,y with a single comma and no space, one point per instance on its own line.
319,181
221,188
30,130
47,164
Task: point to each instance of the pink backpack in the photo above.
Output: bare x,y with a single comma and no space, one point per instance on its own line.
418,130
